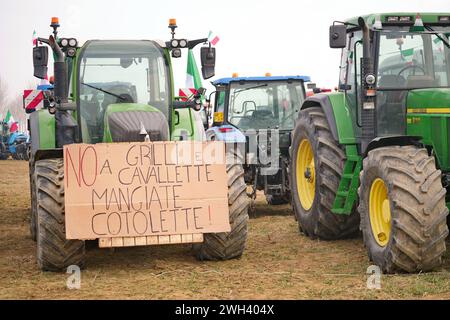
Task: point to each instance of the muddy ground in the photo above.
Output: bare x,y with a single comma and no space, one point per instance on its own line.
279,263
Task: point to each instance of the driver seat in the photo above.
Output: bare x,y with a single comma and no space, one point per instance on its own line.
262,114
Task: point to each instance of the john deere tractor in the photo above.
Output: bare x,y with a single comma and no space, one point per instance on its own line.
374,156
114,91
258,114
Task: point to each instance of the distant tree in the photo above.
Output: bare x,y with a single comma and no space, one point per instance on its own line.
3,98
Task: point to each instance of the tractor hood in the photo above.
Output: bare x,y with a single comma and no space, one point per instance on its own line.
131,122
430,100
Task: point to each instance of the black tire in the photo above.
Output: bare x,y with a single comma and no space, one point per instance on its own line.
21,152
229,245
33,209
54,251
28,152
276,200
329,158
417,206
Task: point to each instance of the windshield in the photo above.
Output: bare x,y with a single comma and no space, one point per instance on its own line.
413,60
119,72
265,105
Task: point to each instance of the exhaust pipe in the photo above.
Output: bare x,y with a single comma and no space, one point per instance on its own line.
60,72
368,113
366,37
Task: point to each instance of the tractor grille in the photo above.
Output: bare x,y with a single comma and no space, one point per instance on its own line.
126,126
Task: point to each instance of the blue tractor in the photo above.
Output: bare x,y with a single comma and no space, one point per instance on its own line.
256,115
13,144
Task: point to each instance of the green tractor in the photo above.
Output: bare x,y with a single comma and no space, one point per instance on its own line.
374,156
106,92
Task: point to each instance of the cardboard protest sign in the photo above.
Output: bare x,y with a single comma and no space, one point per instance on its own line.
145,188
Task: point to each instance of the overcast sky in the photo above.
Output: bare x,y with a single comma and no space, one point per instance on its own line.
257,36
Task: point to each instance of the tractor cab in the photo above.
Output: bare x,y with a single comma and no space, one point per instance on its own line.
248,105
113,91
392,63
123,86
259,102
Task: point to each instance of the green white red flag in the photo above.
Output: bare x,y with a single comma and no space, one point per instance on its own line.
11,123
212,38
34,38
193,79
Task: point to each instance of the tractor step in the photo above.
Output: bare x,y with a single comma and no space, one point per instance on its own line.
348,186
341,193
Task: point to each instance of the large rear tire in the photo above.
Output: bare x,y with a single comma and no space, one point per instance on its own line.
317,164
402,208
33,209
54,251
229,245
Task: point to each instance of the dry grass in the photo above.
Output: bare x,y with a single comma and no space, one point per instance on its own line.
279,263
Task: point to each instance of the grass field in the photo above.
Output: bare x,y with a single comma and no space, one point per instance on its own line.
279,263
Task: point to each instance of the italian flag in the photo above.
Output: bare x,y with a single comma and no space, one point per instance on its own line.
213,38
193,82
34,38
193,79
11,123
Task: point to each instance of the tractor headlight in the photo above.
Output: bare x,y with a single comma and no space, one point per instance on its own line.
370,79
176,53
71,52
73,42
183,43
64,42
174,43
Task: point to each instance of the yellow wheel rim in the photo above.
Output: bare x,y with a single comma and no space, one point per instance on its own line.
380,212
305,170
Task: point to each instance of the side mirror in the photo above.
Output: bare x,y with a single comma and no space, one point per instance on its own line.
338,36
40,61
201,91
194,104
208,59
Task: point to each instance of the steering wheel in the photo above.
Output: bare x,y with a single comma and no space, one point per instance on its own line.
412,66
248,113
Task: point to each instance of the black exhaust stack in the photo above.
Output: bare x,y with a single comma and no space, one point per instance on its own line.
368,115
65,124
60,72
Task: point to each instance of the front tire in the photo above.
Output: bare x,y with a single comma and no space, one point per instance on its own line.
403,210
33,209
229,245
316,169
54,251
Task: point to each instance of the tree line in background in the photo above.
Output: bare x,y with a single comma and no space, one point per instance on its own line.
13,102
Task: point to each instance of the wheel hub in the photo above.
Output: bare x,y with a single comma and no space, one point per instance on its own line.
380,212
305,174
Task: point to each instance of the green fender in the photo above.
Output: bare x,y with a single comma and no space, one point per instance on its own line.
338,115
